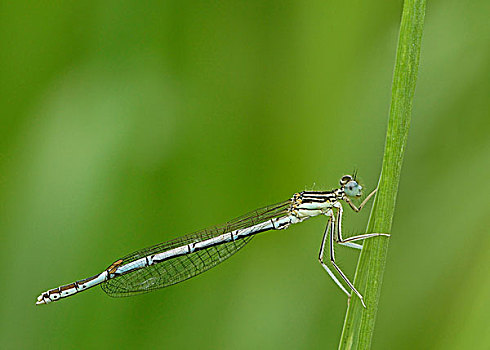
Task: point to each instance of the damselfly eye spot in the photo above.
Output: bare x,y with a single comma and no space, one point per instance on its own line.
345,179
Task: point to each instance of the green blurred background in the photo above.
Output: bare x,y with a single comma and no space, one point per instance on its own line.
124,124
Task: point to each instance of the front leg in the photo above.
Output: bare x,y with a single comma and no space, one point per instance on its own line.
353,206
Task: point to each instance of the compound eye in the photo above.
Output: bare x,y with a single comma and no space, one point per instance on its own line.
345,179
353,189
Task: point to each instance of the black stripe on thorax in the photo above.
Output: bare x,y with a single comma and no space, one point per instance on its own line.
316,200
321,193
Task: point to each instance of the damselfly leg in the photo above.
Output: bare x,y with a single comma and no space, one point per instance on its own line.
347,241
334,226
358,209
320,258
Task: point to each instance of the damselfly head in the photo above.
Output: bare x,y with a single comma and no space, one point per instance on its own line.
350,186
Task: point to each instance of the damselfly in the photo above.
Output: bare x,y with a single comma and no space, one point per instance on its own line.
174,261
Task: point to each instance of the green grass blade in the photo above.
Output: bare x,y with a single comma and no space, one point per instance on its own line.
359,323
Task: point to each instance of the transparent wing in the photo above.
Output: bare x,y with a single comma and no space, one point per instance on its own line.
180,268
